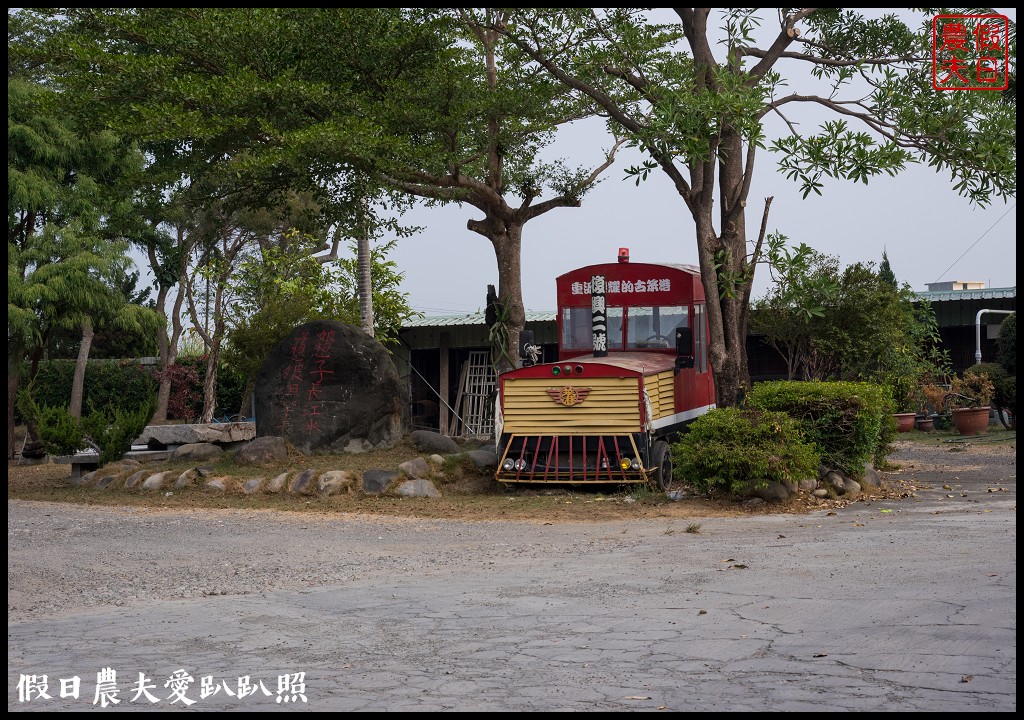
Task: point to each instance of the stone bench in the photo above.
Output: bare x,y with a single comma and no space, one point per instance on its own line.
86,462
162,437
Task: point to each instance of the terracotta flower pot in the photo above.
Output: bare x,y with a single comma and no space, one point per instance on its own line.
925,424
905,421
971,421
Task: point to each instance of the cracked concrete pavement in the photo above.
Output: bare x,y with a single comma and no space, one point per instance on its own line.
888,605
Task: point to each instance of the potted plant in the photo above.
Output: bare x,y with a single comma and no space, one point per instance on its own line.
933,405
969,399
903,390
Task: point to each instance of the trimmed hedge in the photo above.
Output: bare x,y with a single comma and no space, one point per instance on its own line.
117,384
127,386
739,450
850,423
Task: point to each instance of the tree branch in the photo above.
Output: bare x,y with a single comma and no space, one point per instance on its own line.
787,34
756,255
758,52
565,201
605,101
432,192
888,130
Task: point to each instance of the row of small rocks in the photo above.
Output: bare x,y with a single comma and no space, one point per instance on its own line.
411,479
828,483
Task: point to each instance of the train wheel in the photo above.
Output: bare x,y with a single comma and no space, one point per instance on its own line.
662,463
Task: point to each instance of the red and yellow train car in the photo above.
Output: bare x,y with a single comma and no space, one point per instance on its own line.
632,372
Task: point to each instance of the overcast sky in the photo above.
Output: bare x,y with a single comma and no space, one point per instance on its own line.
929,232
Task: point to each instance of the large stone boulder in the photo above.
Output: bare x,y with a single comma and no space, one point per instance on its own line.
330,386
266,450
200,452
432,442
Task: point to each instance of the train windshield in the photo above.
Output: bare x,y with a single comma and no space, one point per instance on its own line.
653,327
632,328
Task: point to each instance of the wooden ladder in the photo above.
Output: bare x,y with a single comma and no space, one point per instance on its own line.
476,393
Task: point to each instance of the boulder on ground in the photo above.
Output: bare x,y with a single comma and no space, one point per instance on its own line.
266,450
418,488
377,481
415,468
197,451
429,441
330,386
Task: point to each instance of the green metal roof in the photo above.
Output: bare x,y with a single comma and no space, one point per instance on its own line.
1009,293
476,318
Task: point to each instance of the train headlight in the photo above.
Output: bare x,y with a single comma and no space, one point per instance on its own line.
556,370
508,464
635,464
520,464
624,463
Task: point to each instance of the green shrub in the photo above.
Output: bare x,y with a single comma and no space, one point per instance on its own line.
850,423
736,449
114,429
1003,383
60,433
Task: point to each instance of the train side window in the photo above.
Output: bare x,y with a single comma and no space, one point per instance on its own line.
578,328
654,327
614,315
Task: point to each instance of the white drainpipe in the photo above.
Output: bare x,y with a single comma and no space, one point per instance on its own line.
977,331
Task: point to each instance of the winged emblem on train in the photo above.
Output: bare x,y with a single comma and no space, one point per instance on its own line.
568,395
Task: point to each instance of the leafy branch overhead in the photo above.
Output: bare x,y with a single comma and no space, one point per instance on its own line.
831,94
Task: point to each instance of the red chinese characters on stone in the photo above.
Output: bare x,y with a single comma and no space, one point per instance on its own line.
293,377
316,374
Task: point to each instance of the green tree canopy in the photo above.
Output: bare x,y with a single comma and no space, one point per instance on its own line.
64,262
695,99
338,102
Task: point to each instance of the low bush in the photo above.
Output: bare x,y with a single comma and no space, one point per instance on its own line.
850,423
1004,385
111,430
736,450
114,430
57,430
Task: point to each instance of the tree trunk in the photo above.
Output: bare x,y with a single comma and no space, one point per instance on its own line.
163,393
735,379
168,354
210,385
508,252
78,381
364,263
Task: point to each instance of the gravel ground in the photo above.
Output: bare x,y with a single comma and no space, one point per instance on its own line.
65,557
899,603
